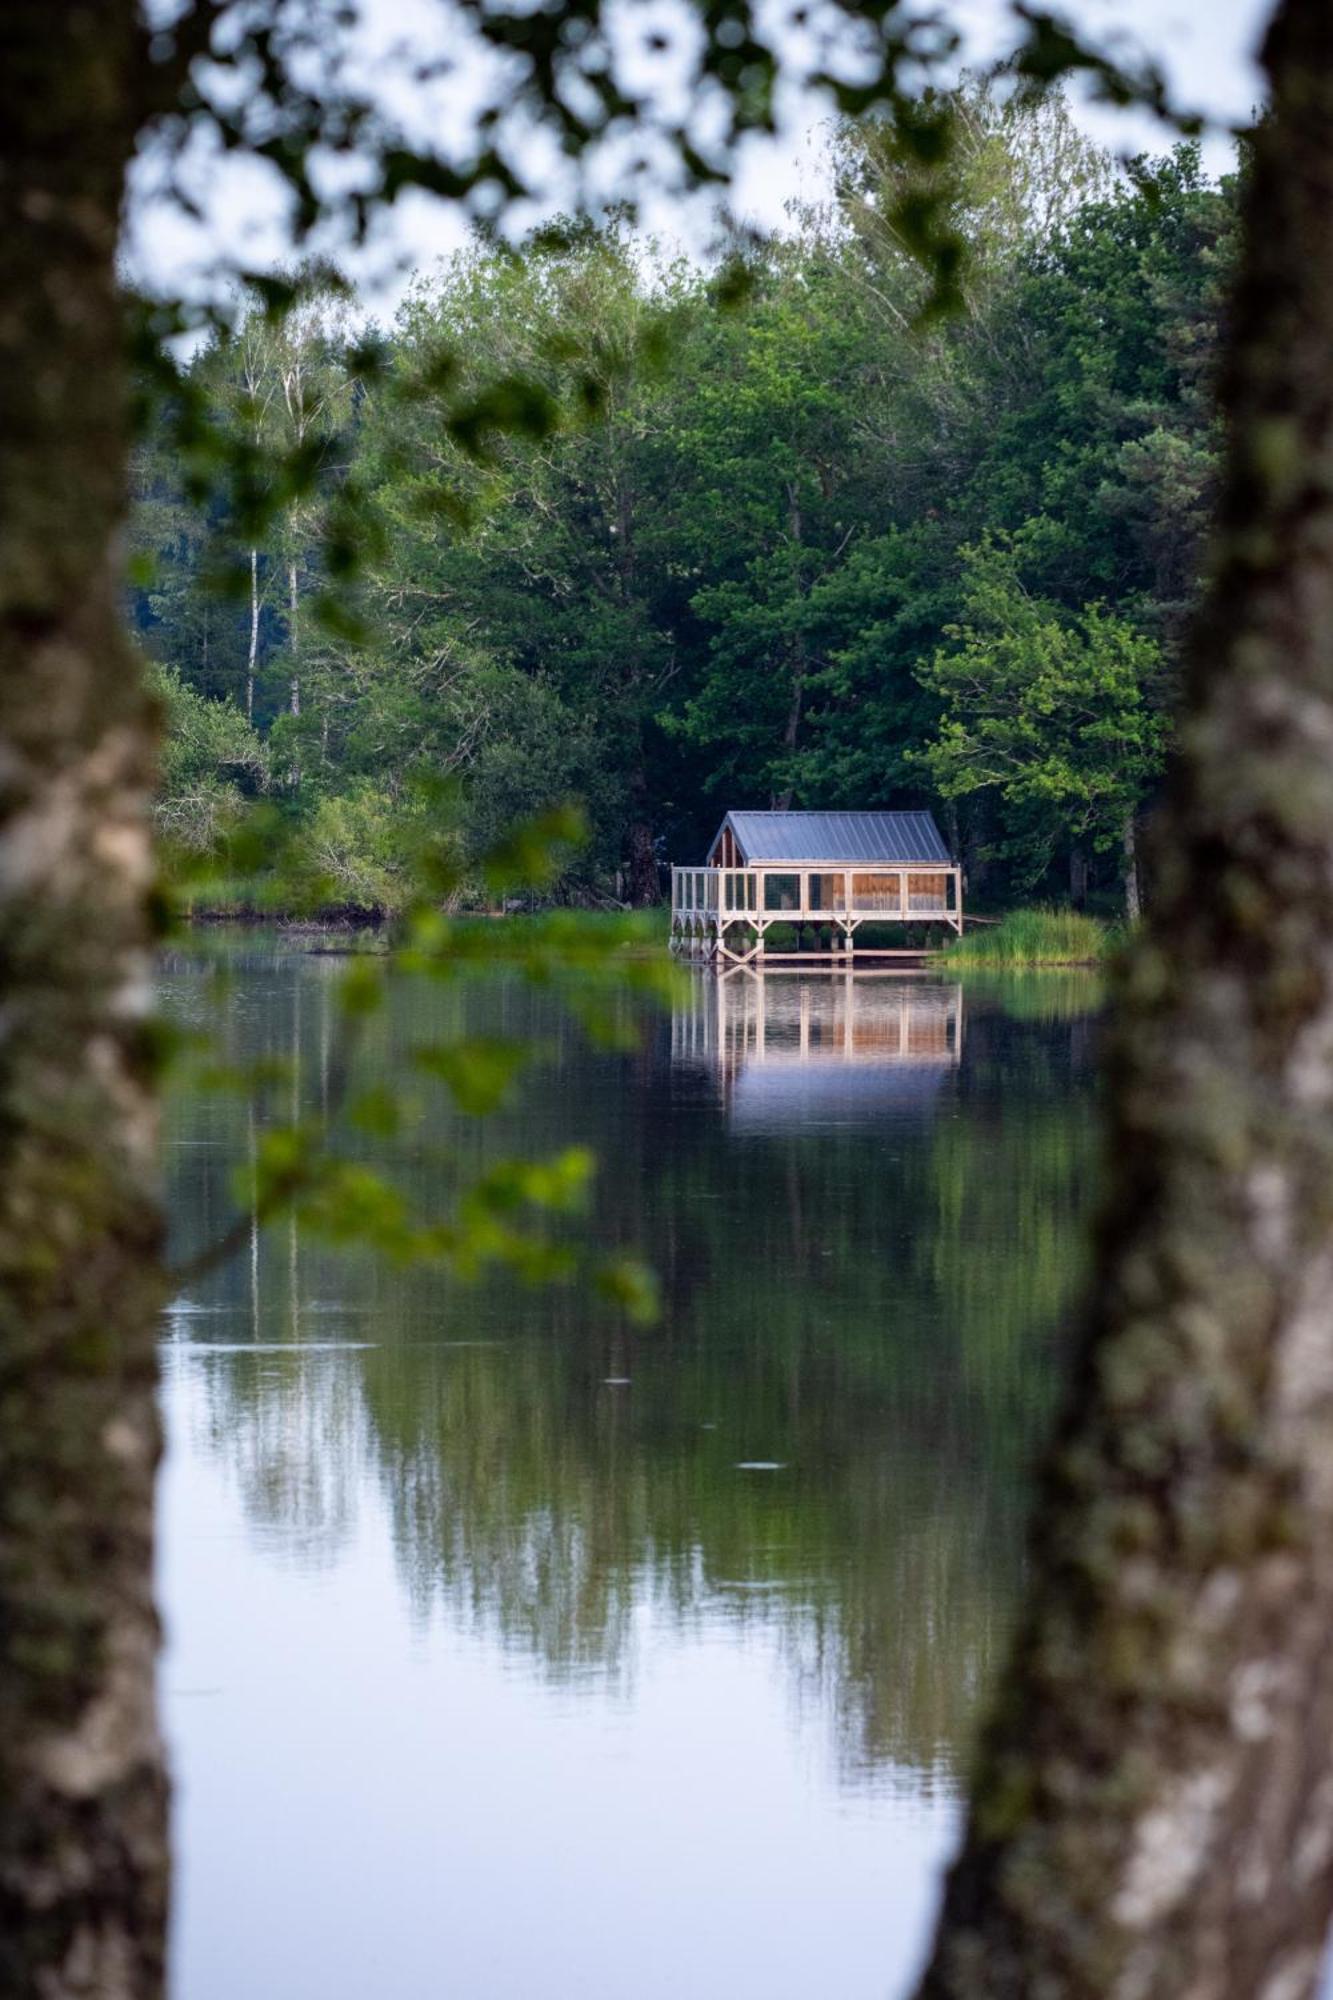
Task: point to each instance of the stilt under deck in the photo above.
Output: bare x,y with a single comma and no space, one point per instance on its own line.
724,915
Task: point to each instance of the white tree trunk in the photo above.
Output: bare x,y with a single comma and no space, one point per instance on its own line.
293,636
253,656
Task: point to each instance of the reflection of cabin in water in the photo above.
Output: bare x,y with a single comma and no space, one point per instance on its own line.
846,1046
822,876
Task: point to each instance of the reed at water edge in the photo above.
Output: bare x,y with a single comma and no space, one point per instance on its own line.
1042,935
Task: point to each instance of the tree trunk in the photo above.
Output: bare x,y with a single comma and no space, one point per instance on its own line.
1153,1811
781,801
294,643
82,1790
644,882
644,886
1078,877
252,658
1130,850
294,637
791,732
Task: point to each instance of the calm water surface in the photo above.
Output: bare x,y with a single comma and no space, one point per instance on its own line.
516,1653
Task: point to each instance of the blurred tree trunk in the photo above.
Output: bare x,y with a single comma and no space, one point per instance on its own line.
1153,1812
82,1792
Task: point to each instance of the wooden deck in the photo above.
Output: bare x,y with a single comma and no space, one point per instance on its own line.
724,915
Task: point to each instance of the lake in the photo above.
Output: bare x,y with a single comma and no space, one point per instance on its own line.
514,1650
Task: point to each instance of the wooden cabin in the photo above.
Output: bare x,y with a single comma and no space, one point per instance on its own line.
823,875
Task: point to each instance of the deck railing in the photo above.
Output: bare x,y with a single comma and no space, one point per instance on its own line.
739,895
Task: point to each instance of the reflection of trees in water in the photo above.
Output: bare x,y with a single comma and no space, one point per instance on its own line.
290,1430
874,1309
533,1503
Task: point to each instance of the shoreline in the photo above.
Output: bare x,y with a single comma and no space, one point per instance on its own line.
344,926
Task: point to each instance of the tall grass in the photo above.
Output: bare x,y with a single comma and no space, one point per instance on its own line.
1039,936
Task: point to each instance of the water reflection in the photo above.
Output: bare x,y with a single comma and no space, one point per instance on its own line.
818,1460
788,1047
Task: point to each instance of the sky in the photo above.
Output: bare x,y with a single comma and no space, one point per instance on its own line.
1207,47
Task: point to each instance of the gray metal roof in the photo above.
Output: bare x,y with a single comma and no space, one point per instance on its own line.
836,836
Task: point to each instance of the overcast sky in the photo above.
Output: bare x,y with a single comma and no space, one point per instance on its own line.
1207,46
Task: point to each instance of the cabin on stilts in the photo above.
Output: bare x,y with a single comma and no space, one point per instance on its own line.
823,877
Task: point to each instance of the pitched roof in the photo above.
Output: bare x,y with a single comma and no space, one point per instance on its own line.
837,836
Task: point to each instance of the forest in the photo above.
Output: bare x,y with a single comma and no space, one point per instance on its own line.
760,532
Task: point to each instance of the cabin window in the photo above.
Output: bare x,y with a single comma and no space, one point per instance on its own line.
927,892
782,892
879,894
828,892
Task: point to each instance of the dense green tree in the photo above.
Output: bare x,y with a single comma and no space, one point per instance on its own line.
212,761
1114,440
1059,715
525,575
764,433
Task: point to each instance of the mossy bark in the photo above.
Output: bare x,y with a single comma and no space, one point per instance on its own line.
82,1791
1152,1818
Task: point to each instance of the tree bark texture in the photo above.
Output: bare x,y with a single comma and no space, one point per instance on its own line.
82,1791
1152,1817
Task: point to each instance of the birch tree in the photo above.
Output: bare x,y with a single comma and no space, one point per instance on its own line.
1153,1811
257,385
83,1866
